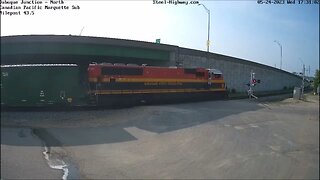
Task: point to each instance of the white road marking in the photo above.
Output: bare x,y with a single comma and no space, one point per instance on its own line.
139,133
275,148
238,127
254,126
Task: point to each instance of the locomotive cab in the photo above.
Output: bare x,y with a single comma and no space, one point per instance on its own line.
214,74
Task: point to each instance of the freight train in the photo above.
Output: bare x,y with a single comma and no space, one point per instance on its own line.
106,84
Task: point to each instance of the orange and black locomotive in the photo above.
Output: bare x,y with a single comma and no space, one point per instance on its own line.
122,84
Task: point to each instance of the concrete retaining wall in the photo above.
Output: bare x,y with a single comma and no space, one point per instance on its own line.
237,71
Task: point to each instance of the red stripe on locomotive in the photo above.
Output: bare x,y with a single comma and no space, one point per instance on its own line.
96,71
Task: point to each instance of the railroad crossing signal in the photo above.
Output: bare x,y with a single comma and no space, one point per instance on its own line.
252,83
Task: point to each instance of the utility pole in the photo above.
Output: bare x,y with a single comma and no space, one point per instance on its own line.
81,31
303,74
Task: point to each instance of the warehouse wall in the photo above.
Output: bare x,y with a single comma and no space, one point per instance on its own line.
237,71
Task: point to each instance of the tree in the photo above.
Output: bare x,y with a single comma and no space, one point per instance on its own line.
316,80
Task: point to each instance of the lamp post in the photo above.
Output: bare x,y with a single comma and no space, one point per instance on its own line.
208,11
280,52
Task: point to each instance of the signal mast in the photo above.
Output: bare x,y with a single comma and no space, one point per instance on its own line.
251,84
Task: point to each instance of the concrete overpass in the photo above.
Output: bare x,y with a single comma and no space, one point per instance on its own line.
80,49
84,50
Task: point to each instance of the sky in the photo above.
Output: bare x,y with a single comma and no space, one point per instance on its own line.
242,29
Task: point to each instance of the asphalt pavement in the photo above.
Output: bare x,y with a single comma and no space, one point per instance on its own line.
267,138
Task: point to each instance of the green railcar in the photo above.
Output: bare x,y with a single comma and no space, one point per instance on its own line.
35,85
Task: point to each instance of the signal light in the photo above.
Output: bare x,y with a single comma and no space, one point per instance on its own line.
254,81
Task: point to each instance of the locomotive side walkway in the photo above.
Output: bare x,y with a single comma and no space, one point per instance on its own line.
265,138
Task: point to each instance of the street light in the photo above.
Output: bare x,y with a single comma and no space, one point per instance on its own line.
208,11
280,52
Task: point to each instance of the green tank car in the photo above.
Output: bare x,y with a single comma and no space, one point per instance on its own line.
36,85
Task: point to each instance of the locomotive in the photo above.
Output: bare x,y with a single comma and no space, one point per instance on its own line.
106,84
